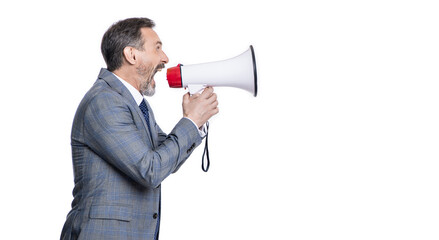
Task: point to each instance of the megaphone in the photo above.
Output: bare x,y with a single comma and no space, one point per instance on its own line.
239,72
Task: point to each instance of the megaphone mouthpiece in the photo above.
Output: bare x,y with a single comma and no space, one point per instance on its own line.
174,77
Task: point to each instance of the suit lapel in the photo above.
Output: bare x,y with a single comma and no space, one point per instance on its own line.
117,86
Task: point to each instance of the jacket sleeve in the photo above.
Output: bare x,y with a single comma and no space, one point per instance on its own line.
111,132
162,136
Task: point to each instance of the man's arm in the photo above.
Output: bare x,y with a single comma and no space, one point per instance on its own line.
110,131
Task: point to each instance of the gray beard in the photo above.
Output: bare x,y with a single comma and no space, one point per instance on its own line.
147,89
145,86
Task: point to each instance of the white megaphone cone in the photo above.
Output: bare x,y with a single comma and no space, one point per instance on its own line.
238,72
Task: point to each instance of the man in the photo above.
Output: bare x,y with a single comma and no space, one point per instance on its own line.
120,154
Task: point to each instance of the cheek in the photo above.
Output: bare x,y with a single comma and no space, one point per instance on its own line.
150,62
155,57
145,60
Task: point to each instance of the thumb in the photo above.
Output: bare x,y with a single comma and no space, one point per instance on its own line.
186,97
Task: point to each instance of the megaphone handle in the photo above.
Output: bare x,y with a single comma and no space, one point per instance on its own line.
206,151
196,88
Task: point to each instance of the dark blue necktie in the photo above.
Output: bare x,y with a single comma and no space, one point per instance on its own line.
145,112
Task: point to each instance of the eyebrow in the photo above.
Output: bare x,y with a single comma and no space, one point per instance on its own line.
159,42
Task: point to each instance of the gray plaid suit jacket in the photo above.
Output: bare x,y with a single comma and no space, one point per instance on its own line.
119,166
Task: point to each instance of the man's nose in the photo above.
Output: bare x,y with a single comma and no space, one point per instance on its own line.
165,58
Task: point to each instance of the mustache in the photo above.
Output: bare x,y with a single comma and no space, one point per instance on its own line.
159,67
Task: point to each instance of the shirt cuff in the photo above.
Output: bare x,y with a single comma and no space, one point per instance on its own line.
202,130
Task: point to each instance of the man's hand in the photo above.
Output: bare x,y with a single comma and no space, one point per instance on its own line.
200,107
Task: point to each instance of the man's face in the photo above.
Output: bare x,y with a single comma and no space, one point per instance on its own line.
151,59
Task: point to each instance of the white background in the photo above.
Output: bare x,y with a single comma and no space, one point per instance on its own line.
340,143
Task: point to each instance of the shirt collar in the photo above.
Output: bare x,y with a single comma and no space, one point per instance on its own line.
134,92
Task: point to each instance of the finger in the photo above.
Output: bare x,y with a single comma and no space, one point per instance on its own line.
215,104
212,98
214,111
207,92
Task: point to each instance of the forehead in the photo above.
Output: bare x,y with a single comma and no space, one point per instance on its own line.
150,36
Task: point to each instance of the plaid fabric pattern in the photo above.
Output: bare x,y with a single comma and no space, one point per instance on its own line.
119,164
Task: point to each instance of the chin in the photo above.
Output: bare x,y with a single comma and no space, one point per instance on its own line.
149,92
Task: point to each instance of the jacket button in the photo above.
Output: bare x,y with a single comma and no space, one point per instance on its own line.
191,148
155,215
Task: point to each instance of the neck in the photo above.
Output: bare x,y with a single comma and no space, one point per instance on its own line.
127,75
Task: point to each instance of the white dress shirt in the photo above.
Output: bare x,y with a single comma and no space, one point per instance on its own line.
138,97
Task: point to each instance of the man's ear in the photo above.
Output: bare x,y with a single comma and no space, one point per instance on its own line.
130,55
